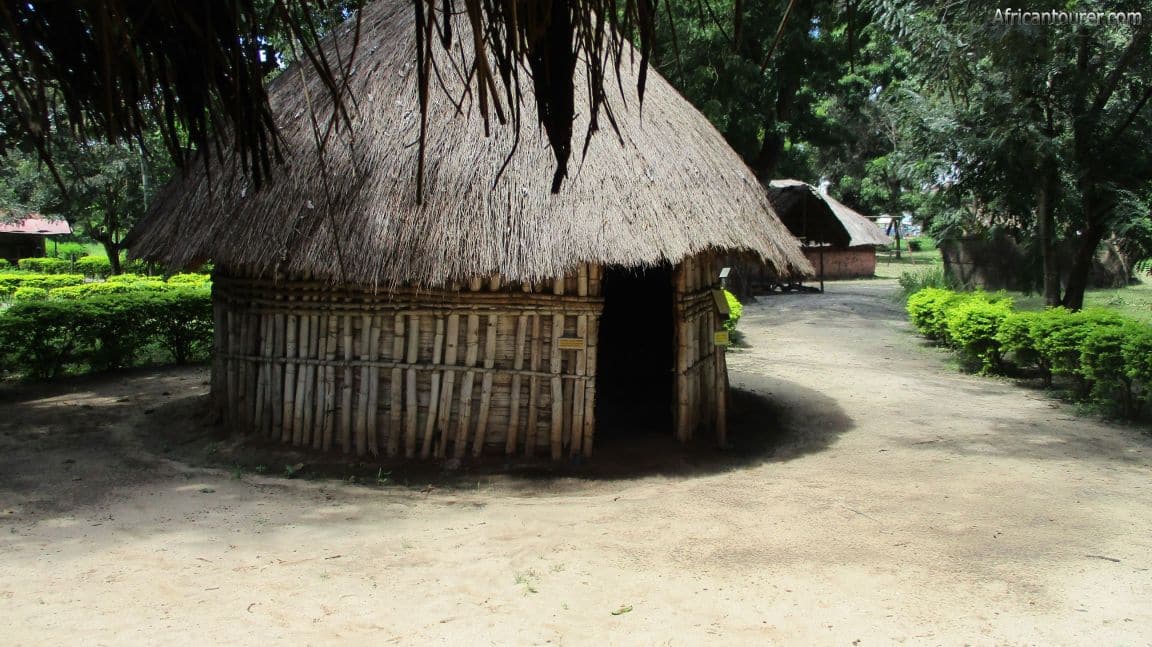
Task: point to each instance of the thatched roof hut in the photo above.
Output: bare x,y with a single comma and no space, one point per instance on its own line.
817,218
352,315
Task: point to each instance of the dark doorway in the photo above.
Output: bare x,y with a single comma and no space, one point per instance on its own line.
636,357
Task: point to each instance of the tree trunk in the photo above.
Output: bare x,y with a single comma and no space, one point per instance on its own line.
1082,267
113,251
1045,221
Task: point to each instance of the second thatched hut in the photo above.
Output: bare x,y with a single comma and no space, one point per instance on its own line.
492,316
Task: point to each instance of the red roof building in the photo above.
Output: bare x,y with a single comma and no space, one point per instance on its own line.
25,238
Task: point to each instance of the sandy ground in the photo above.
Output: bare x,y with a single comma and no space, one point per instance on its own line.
888,499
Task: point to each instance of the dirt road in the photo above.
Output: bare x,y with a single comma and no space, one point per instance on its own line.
886,498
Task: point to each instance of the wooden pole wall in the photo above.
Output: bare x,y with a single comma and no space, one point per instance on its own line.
438,373
427,373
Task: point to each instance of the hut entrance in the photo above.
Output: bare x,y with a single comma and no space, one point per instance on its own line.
634,367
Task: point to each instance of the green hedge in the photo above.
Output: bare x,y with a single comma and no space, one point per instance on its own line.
735,311
47,265
11,281
1106,357
94,266
43,339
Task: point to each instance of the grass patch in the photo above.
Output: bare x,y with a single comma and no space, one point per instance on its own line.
1134,301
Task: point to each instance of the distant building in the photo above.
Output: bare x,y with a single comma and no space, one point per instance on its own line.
26,238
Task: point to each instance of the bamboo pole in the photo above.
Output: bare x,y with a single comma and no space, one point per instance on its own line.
681,356
308,401
276,376
302,338
288,430
556,356
263,422
579,388
486,386
330,382
590,386
319,388
396,388
533,424
434,392
444,411
411,413
465,421
360,428
346,388
514,401
373,387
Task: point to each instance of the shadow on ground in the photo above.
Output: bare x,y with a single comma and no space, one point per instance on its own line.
70,444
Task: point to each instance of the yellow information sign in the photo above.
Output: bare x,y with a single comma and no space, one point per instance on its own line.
720,338
570,343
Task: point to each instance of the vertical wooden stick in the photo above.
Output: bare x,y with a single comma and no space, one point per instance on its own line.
287,431
578,388
396,388
301,378
533,424
373,387
411,414
514,402
590,386
557,396
276,388
434,393
346,388
361,394
330,382
471,353
444,410
317,399
486,386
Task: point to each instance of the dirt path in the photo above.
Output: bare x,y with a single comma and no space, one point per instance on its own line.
894,500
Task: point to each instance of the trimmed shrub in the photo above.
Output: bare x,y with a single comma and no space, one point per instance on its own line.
29,294
1059,336
203,279
182,322
9,282
1136,352
928,309
94,266
42,339
4,264
735,311
973,325
1017,343
47,265
1102,365
125,278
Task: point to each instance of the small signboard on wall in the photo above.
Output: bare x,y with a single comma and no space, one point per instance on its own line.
720,338
570,343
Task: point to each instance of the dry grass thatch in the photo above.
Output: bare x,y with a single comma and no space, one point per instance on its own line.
670,188
819,218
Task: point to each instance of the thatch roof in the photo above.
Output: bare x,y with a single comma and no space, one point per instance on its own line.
672,188
819,218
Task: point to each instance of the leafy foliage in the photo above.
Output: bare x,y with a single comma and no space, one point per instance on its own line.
10,281
1107,357
42,339
973,325
735,311
45,265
